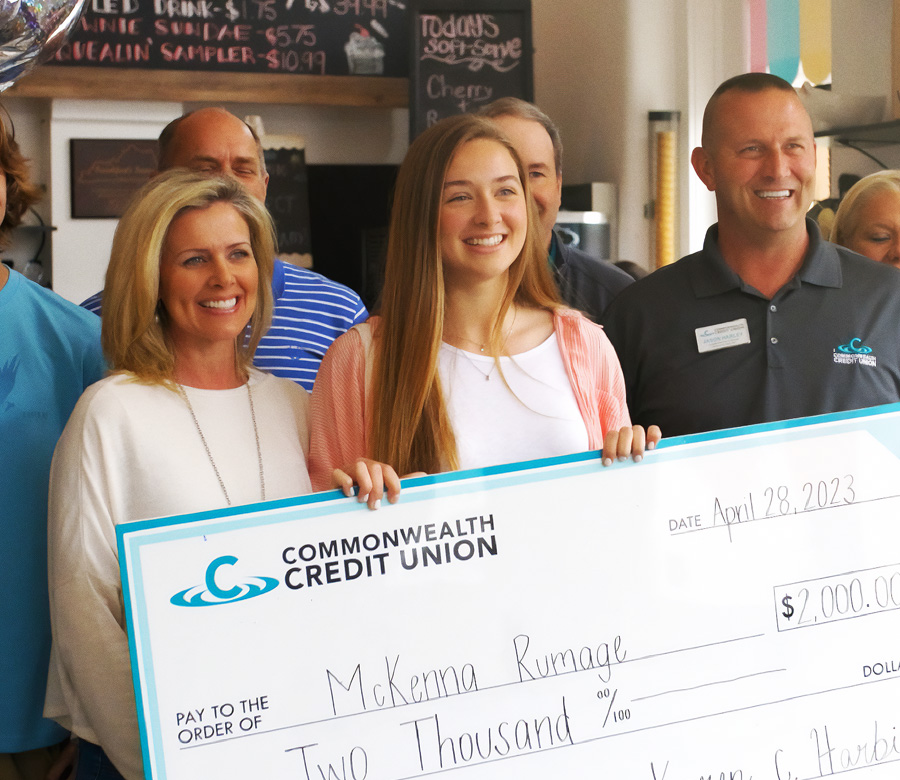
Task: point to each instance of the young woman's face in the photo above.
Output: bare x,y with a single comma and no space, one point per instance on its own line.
483,218
877,234
207,276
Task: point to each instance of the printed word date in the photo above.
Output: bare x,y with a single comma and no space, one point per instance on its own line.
771,501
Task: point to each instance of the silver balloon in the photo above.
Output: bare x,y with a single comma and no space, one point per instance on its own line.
8,10
31,31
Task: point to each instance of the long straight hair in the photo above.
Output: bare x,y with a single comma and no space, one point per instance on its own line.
410,427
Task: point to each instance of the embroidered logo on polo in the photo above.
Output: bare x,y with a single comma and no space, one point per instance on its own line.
854,352
213,594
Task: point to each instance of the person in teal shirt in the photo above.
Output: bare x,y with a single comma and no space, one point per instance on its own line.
49,353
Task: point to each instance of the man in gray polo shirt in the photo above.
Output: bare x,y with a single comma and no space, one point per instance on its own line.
769,321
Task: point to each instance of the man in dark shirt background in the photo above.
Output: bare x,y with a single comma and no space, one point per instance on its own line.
585,283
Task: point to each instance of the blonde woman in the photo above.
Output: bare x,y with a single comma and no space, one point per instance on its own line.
868,219
183,424
473,360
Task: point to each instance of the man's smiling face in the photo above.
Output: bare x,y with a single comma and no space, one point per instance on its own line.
760,160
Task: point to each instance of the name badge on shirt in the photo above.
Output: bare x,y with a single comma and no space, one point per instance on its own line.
723,335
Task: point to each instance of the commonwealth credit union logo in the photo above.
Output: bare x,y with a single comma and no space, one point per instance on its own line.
213,594
854,352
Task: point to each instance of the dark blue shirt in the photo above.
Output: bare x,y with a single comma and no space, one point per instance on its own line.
826,342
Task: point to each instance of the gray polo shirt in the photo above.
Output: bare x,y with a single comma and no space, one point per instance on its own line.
701,350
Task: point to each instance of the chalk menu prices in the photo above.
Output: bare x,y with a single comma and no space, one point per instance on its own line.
307,37
463,55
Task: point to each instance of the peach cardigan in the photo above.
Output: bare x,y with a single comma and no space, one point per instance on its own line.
339,409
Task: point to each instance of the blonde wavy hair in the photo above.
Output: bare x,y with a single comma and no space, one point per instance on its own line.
846,219
410,427
134,324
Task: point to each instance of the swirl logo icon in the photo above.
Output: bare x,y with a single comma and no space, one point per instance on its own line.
212,594
855,347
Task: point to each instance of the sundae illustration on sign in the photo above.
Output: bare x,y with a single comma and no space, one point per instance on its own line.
365,55
31,31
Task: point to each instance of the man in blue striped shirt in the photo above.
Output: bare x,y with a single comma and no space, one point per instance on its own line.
311,311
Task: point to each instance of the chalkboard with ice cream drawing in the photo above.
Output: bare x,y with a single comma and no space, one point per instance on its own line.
306,37
465,54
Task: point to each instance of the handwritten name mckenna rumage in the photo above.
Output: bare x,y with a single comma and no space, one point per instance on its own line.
396,685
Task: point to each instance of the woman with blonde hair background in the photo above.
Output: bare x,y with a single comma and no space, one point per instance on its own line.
473,361
868,218
183,424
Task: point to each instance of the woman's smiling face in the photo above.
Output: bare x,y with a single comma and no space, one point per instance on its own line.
207,276
483,218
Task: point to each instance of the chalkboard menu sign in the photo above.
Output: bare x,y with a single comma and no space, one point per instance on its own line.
310,37
466,53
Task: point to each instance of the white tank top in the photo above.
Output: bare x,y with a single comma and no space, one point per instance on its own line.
538,419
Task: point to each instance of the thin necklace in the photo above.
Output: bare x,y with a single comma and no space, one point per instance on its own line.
482,346
466,355
474,364
262,478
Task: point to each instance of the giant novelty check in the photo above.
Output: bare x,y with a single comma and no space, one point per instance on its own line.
730,608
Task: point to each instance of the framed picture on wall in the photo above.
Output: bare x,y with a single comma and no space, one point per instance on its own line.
106,172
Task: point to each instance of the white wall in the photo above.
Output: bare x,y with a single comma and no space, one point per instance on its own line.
718,48
81,246
857,68
585,79
861,70
335,134
601,67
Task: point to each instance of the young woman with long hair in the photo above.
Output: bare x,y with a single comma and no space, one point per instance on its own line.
473,361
